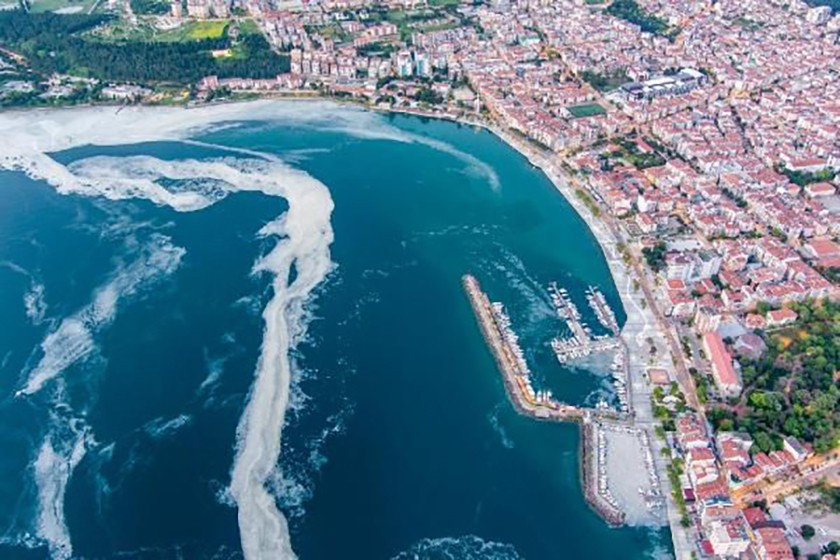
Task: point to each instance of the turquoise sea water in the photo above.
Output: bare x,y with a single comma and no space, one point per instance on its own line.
399,440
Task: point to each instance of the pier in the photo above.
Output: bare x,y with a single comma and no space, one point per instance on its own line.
602,310
581,344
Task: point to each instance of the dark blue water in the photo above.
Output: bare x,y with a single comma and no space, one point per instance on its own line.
399,439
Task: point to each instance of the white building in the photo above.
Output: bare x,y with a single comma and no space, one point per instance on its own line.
405,65
729,538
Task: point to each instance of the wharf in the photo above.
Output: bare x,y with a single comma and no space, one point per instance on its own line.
602,310
581,344
594,484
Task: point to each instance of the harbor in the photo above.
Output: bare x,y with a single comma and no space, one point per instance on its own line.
581,343
626,475
610,443
504,344
604,313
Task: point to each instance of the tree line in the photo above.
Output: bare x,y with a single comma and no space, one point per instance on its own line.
630,11
52,43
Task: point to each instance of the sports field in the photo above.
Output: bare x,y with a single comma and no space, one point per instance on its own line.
581,111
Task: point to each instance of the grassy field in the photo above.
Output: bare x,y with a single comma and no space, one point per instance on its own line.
332,31
190,31
197,30
248,27
65,6
581,111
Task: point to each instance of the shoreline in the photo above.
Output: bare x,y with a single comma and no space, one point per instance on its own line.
636,322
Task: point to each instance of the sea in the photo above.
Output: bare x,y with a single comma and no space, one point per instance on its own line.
251,341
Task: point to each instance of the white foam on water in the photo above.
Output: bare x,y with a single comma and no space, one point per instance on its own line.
63,449
294,481
475,166
30,136
468,547
160,428
661,549
215,368
34,302
303,235
496,424
72,341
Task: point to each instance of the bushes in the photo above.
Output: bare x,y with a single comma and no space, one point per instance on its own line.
655,256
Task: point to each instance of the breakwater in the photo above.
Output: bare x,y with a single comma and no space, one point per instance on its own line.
593,479
495,328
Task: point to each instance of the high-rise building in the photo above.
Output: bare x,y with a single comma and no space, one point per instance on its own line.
422,67
404,63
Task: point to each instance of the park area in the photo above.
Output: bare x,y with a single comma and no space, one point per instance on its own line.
146,31
196,31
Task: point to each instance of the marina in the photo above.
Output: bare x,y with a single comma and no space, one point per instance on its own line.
594,477
582,342
603,427
624,472
618,372
604,313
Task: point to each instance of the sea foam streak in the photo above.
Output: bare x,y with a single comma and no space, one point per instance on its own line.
303,235
72,341
30,136
34,302
58,456
306,234
469,547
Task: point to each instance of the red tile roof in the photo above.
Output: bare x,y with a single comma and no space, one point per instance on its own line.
721,359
